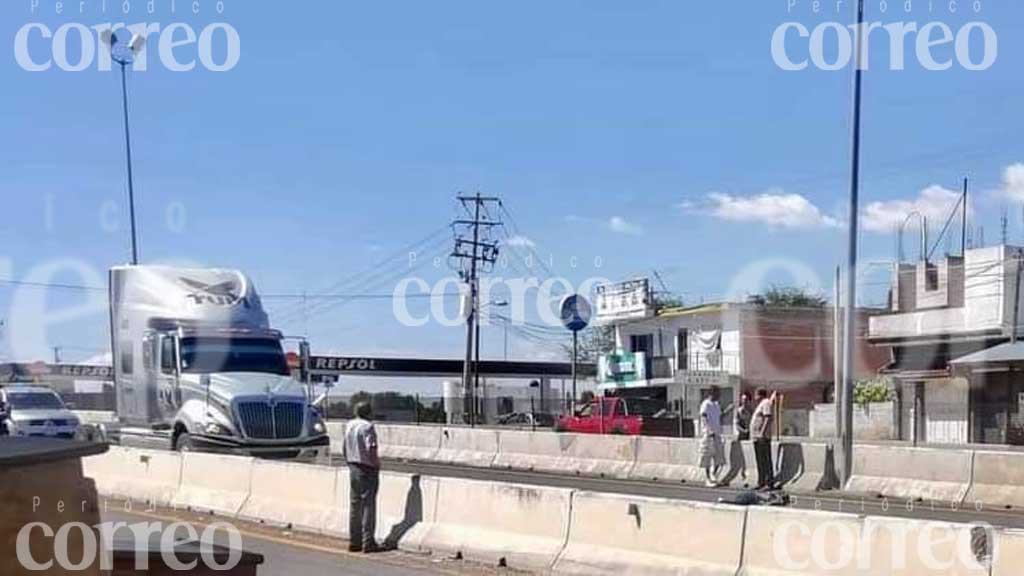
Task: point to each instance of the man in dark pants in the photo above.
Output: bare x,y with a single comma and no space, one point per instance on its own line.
364,475
761,429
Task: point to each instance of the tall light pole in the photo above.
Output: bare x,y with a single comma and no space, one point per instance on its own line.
850,342
123,50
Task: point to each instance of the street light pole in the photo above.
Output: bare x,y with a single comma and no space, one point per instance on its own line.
128,153
123,51
850,341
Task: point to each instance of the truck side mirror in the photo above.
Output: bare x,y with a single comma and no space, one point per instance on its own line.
304,371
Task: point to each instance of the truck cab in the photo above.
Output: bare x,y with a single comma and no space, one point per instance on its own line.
197,366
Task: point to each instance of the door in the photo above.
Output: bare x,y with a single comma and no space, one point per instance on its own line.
168,385
919,416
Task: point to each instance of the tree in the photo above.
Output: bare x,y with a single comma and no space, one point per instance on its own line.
663,301
789,297
873,391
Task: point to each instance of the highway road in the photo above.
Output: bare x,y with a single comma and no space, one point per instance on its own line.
826,501
290,554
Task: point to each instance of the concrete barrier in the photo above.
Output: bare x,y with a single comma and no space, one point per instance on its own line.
579,454
522,526
1009,553
144,476
468,447
613,535
215,483
667,460
998,480
784,541
781,541
806,467
303,496
911,473
415,443
406,505
903,547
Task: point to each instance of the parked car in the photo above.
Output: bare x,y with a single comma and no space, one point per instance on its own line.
37,411
539,420
629,416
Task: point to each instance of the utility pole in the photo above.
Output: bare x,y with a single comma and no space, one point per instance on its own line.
963,222
837,347
475,252
850,343
56,354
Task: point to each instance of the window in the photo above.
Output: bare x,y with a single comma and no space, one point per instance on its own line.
206,355
35,401
931,277
642,343
683,350
127,360
167,356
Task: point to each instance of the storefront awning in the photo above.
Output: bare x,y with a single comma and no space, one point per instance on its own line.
1005,355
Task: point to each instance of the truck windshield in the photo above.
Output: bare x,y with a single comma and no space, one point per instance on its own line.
208,355
35,401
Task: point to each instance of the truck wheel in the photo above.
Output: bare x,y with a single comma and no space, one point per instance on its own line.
184,443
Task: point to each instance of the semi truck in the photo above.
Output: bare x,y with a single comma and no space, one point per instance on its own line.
197,367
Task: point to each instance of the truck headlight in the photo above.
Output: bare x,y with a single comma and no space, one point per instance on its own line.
318,426
215,429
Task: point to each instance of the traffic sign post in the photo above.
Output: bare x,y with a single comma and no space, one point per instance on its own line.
575,312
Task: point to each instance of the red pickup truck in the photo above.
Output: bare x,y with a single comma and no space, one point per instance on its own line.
628,416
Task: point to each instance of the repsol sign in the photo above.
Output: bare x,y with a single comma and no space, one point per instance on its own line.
178,47
344,364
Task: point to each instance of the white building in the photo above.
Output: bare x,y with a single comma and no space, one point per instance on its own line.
949,326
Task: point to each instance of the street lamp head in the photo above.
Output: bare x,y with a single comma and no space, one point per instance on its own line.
137,44
123,48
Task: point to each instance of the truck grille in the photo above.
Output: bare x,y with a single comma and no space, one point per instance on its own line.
261,421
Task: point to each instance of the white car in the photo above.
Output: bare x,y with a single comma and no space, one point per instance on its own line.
37,411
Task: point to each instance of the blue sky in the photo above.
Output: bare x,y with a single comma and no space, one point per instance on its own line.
649,135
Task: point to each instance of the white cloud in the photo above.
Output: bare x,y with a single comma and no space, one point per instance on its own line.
934,203
521,241
1013,181
616,224
620,225
774,208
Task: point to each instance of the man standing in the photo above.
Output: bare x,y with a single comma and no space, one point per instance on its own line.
712,448
741,424
764,418
360,451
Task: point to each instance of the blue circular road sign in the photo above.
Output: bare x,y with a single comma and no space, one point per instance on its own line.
575,312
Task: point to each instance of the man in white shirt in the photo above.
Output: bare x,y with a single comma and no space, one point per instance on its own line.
360,449
761,429
712,447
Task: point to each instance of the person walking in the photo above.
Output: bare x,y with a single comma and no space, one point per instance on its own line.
361,455
712,447
761,428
